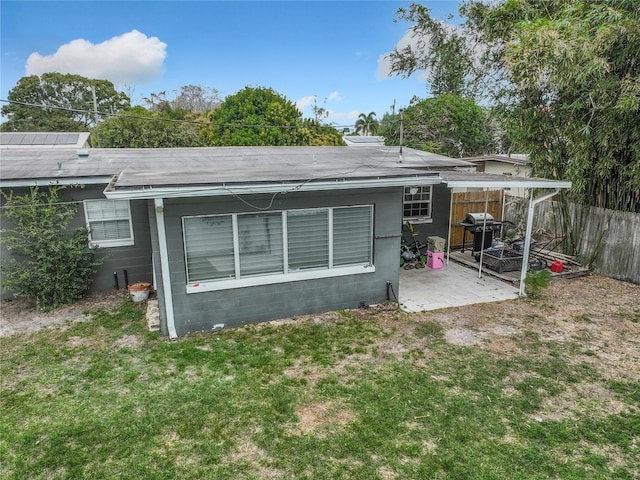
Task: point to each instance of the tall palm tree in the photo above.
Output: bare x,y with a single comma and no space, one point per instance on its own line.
367,124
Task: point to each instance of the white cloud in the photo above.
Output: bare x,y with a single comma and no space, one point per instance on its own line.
333,96
126,59
418,44
384,62
343,115
305,102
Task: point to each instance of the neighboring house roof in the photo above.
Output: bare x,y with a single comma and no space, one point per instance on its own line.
514,158
363,140
11,140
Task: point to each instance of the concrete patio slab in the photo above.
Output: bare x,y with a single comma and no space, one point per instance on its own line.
451,286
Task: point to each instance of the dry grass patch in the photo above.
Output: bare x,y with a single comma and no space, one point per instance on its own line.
323,417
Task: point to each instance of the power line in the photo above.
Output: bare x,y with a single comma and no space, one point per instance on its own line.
168,120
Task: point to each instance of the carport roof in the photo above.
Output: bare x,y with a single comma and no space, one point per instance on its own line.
456,179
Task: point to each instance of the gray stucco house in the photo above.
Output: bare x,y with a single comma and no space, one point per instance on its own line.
235,235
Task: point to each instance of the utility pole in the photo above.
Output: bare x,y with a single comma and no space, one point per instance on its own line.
95,104
401,131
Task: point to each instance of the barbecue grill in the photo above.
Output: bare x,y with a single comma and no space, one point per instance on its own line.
481,226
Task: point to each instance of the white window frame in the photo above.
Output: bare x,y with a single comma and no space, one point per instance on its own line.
116,242
418,218
288,275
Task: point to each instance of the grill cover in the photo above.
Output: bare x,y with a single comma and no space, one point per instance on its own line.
478,218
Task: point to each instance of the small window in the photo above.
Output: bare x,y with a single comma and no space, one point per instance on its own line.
109,222
417,204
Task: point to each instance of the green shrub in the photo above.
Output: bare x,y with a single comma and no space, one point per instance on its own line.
537,279
51,264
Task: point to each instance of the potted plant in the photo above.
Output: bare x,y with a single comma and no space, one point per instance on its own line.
139,291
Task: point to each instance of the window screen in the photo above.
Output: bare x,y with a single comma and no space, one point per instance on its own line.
109,222
352,234
308,239
237,246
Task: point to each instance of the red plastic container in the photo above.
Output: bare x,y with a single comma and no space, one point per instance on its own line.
557,267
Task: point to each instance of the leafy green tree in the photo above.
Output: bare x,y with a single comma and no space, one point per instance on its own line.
447,124
441,51
56,102
367,124
255,116
51,264
565,77
316,134
139,128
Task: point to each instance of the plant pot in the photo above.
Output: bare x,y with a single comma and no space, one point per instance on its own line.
139,291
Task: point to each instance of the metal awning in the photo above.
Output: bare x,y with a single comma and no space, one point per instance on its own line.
495,182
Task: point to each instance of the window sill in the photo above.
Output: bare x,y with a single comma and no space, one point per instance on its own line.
211,286
112,243
416,220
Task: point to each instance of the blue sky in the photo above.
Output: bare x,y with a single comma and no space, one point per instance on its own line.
328,49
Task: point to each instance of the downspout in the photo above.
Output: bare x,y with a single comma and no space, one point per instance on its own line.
164,268
527,236
449,232
484,230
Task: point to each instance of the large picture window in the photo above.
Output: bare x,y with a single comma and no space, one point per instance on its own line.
244,249
417,204
109,222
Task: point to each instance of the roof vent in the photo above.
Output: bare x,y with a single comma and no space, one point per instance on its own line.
83,152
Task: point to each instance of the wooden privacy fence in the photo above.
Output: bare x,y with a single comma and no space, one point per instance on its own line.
473,202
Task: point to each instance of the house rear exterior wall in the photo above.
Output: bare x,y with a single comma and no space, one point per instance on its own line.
135,259
236,307
440,213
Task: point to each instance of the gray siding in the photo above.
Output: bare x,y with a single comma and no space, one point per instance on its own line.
136,259
440,213
236,307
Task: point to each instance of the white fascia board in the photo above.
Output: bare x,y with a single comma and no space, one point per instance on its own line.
46,182
270,188
508,184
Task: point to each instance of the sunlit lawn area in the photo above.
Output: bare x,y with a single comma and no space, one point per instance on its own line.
371,394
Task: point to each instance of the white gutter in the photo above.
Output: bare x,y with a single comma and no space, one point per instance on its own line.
526,183
449,231
164,268
269,188
36,182
527,236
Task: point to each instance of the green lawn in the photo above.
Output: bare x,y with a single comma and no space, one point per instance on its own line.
372,394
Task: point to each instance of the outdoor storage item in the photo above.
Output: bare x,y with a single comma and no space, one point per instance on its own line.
502,259
436,244
435,260
518,245
557,266
139,291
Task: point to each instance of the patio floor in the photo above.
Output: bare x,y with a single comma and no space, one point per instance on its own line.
451,286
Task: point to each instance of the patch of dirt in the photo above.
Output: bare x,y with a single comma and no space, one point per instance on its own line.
316,416
19,316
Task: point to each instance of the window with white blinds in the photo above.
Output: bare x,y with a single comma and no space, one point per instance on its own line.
352,235
109,222
250,249
308,239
